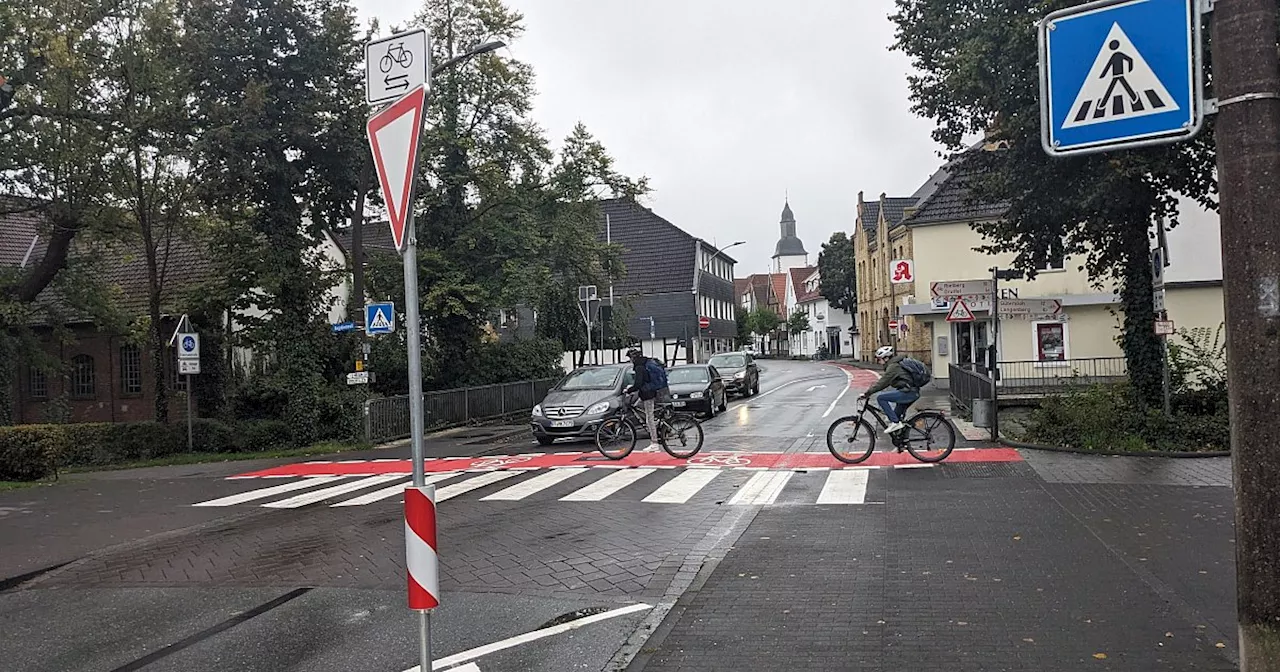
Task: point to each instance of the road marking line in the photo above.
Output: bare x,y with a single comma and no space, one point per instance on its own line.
534,485
463,487
326,493
679,489
393,491
263,493
844,487
472,654
843,392
607,485
763,488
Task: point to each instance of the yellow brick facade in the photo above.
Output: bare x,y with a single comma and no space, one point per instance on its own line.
877,243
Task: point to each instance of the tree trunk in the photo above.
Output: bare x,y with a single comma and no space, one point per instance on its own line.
356,302
1142,348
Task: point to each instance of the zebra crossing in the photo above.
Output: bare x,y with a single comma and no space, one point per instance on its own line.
747,486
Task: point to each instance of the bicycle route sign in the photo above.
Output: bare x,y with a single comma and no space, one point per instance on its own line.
396,65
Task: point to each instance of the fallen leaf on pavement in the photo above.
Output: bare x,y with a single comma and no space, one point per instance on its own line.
1028,640
1017,537
1220,645
1100,656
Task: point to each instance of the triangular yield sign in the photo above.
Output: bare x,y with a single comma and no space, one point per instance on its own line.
393,137
960,312
1120,85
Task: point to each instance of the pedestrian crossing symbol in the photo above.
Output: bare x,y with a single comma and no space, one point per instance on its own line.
380,318
1120,86
1118,74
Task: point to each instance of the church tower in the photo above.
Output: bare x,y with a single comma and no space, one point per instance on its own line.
790,252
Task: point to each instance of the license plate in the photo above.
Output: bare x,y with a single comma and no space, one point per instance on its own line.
678,404
561,423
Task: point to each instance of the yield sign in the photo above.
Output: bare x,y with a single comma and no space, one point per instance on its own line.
960,312
393,136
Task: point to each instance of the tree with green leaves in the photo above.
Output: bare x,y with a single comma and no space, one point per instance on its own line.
797,324
763,321
978,76
838,273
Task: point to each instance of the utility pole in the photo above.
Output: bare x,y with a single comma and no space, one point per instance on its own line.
1246,81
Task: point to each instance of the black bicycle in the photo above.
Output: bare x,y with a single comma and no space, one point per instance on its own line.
679,434
928,435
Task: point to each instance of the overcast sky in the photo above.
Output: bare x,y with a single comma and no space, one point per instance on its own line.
729,106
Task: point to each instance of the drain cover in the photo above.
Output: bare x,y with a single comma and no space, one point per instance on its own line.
573,616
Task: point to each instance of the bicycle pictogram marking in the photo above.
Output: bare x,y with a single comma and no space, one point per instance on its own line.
495,462
723,460
396,55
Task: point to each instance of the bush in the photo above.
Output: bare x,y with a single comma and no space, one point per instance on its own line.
263,435
27,452
1110,418
209,436
341,416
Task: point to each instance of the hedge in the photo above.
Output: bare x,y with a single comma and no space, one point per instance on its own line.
32,452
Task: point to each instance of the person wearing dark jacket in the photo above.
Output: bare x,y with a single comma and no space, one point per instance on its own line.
895,402
650,382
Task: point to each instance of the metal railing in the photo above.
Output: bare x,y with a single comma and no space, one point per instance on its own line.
967,384
387,418
1051,377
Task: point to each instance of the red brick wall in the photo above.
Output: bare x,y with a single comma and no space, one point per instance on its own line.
109,403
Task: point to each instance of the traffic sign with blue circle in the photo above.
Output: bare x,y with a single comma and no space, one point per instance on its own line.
1120,73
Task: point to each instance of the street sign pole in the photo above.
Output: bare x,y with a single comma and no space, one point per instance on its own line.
994,362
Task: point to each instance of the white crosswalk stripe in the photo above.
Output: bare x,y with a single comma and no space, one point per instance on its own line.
607,485
679,489
689,486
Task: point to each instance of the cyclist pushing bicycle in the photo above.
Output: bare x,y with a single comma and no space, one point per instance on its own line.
899,373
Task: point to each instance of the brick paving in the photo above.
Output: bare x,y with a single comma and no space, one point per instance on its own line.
951,574
1076,468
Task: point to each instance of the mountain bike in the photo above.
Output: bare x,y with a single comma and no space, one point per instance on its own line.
928,435
680,434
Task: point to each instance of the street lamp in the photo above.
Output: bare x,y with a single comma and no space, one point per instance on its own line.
470,53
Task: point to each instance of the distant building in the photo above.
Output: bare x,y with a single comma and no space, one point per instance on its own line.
789,253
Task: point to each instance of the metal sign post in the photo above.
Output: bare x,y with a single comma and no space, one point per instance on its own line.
188,343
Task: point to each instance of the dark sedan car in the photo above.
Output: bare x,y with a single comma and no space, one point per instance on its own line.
578,404
739,372
697,388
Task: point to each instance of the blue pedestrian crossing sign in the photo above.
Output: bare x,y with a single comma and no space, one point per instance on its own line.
379,318
1120,74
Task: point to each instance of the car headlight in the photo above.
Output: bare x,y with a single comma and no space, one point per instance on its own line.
537,410
740,375
696,395
602,407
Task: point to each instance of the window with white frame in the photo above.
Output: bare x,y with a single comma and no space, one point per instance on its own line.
1050,341
1057,260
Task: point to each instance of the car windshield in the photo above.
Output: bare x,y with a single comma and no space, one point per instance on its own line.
728,361
688,374
591,379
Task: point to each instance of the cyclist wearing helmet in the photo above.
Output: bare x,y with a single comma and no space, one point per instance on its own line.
895,402
651,383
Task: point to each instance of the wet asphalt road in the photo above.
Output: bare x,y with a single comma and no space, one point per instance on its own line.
157,584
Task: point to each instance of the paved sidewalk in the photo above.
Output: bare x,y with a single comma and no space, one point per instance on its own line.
958,572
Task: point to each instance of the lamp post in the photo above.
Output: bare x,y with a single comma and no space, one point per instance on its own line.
697,289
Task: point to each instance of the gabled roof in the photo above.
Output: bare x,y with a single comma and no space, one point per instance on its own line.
19,229
779,288
798,276
740,287
894,209
658,255
951,199
374,237
870,214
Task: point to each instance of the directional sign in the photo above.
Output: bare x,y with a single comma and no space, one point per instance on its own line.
1028,309
902,271
964,289
1117,74
960,312
379,318
393,137
394,66
188,346
358,378
1164,328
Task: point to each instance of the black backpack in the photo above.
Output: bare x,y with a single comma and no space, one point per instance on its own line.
916,371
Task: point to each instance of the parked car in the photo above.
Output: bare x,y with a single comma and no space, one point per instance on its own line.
576,406
739,372
751,350
697,388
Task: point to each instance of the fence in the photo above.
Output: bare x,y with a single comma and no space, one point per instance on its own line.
387,418
1038,378
966,385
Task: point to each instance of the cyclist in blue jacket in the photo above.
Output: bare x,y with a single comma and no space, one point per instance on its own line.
651,383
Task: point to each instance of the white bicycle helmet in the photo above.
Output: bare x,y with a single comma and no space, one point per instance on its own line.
884,352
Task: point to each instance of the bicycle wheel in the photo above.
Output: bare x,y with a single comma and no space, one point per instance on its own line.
851,439
681,436
930,436
615,438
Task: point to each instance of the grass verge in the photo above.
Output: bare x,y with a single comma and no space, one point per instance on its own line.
324,448
6,486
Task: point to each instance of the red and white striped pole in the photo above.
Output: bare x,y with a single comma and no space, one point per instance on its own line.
421,561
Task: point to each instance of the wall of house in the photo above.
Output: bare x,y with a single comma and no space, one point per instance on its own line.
879,299
1196,306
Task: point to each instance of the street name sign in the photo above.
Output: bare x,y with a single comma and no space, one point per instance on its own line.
343,326
393,137
379,318
962,289
1164,328
1118,74
394,66
1030,309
